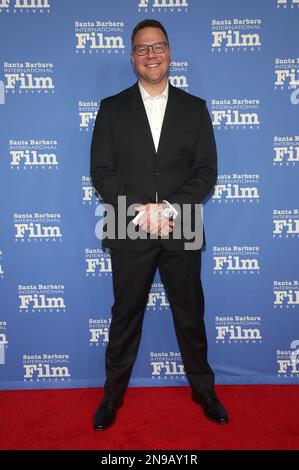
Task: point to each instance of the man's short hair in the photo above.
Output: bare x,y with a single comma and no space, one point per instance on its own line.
147,24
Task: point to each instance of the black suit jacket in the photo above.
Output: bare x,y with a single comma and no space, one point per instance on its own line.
124,160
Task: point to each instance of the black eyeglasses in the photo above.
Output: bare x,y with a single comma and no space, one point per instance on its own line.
157,48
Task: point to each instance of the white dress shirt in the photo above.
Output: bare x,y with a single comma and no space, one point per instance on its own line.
155,107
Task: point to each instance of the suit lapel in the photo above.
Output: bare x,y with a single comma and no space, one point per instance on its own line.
170,117
139,112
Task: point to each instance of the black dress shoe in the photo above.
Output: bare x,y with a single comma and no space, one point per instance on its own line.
106,413
213,408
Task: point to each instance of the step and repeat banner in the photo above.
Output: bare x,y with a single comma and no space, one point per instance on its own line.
58,59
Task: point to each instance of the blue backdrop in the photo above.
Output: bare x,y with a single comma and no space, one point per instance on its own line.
59,58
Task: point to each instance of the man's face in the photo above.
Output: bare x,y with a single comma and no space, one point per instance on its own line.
151,68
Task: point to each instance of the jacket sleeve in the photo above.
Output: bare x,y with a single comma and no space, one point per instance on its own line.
104,177
204,170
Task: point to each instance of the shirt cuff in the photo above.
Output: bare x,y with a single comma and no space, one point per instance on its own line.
137,217
175,212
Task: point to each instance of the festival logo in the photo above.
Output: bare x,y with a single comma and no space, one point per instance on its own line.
167,365
285,223
157,299
46,367
89,194
87,112
97,262
25,6
163,6
231,35
100,37
286,150
29,78
41,298
33,154
179,74
287,4
99,331
286,294
236,260
234,329
235,113
237,188
38,227
286,73
288,361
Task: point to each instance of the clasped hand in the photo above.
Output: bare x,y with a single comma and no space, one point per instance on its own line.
153,220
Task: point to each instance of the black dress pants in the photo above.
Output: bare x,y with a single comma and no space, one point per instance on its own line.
133,274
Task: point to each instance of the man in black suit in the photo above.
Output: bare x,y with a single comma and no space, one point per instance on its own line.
153,161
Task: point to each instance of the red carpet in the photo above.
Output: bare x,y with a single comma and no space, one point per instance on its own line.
262,417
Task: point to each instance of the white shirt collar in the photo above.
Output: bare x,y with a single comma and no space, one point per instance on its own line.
145,95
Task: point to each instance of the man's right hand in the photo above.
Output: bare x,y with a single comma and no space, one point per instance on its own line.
153,221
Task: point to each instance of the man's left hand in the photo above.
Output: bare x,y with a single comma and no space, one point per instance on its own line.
153,220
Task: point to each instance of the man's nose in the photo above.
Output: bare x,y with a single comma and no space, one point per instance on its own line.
150,52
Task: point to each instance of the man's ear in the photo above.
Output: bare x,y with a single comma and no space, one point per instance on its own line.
132,59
